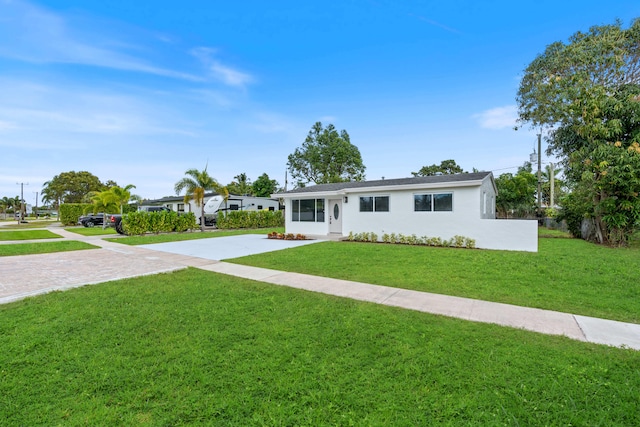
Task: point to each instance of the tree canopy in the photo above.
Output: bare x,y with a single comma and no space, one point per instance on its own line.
446,167
517,193
586,93
326,156
264,186
70,187
241,185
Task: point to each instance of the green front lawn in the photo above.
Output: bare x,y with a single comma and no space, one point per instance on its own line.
568,275
31,223
175,237
197,348
91,231
6,235
43,247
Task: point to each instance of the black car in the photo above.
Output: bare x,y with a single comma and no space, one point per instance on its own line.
91,220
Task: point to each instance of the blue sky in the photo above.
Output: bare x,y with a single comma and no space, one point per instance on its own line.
140,91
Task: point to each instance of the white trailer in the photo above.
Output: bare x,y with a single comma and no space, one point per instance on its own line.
235,203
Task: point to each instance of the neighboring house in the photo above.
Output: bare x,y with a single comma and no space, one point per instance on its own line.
177,204
214,202
434,206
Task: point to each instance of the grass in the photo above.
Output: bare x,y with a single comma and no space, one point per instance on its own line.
175,237
6,235
43,247
550,233
197,348
568,275
31,223
93,231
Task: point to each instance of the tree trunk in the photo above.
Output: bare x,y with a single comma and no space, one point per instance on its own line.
202,215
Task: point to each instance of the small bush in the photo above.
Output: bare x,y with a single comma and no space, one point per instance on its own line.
455,241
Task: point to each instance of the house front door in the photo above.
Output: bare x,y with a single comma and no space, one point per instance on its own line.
335,216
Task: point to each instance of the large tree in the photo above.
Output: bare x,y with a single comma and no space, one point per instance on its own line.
586,94
446,167
264,186
517,193
197,183
326,156
71,187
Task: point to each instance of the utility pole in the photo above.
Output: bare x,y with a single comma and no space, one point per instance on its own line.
551,185
35,212
539,176
21,184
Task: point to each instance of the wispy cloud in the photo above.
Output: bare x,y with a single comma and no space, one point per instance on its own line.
6,125
55,107
219,71
435,24
497,118
33,34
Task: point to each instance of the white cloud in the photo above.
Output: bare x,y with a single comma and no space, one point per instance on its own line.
56,107
230,76
227,75
498,118
6,125
34,34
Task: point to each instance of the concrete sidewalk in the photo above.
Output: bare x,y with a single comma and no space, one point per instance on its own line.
116,261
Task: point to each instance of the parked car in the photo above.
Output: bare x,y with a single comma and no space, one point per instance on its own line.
91,220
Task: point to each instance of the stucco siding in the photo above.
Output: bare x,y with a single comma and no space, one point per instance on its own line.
472,214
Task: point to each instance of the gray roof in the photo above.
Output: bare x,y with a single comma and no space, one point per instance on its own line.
172,199
436,179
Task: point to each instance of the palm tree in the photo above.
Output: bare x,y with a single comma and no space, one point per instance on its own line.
5,203
104,201
197,183
111,200
52,193
123,195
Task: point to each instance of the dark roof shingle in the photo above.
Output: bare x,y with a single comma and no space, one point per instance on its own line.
459,177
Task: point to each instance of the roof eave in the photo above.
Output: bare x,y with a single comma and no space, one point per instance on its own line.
384,188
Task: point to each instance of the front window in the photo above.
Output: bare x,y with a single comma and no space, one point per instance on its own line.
366,204
307,210
443,202
439,202
422,202
374,204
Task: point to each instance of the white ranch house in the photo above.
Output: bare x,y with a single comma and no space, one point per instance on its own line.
434,206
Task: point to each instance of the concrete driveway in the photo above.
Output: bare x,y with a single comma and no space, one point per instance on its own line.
219,248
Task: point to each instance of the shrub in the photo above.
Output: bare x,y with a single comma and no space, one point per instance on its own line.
250,219
139,223
455,241
458,241
70,212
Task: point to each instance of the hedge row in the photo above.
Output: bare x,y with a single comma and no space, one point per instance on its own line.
139,223
250,219
402,239
70,212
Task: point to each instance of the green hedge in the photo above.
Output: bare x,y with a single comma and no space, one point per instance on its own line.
139,223
70,212
250,219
